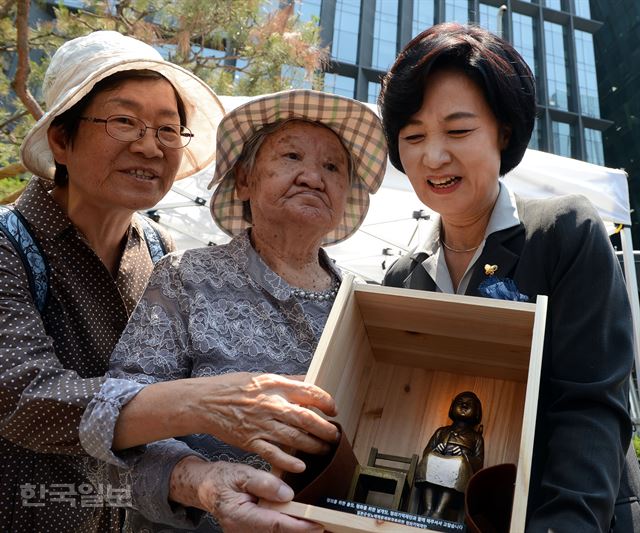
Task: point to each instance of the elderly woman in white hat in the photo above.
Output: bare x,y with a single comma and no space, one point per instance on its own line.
122,124
294,172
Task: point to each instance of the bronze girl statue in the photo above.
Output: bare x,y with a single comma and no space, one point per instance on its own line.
452,455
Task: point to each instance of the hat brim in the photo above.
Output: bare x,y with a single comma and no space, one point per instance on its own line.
203,109
357,126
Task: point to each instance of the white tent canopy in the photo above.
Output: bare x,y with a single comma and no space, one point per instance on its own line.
542,175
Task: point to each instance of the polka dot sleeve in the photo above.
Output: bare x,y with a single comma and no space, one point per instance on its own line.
41,402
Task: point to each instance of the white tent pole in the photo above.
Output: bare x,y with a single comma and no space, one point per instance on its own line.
632,290
632,287
634,408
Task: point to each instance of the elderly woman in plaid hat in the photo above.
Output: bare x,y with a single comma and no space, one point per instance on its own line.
294,171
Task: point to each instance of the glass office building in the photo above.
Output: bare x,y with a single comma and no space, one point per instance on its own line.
617,47
556,38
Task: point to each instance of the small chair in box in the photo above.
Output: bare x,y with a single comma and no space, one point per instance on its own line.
374,477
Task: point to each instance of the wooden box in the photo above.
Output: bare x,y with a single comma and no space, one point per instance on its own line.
393,359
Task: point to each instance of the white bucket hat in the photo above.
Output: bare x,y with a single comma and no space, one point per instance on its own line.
356,124
80,63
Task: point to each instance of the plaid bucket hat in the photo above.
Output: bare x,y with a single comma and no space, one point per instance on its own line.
357,126
79,64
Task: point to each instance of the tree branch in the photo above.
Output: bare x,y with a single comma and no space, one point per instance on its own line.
11,171
14,118
207,60
19,83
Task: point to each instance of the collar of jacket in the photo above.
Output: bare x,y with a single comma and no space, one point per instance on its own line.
502,248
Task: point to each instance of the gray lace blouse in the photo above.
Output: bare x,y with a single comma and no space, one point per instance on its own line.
205,312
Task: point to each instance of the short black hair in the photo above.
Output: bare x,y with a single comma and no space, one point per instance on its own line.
491,62
70,119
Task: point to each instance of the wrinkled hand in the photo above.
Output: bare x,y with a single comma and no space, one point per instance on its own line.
260,412
230,492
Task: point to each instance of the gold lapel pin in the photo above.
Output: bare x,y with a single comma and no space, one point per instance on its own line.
490,270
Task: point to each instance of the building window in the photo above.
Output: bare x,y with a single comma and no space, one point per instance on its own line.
385,28
423,15
524,38
456,11
535,143
562,141
557,69
342,85
373,90
309,9
593,144
582,8
345,31
553,4
488,18
587,79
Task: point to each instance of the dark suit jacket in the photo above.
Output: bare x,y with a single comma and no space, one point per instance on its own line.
580,479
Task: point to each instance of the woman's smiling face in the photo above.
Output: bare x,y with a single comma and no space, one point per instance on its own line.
108,173
450,149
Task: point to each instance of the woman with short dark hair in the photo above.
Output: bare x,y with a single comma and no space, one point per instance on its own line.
506,81
458,109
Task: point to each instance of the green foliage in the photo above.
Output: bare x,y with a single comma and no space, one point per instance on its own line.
237,46
10,185
636,445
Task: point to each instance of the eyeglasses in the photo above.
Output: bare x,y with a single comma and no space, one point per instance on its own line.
128,129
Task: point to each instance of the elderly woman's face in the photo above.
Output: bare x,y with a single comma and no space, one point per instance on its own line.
117,174
300,177
450,149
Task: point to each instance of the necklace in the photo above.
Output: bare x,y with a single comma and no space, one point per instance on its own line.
457,250
320,296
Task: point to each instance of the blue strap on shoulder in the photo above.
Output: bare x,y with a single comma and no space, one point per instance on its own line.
19,233
17,230
154,242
